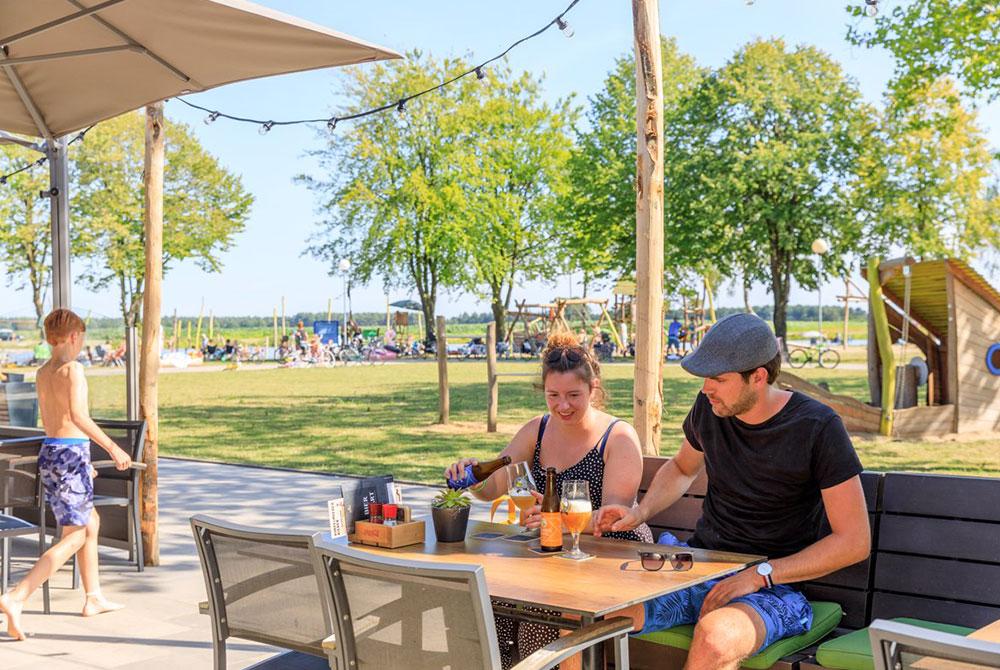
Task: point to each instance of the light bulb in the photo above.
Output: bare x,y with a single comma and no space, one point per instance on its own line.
266,128
564,26
210,119
871,8
400,106
480,75
820,246
331,125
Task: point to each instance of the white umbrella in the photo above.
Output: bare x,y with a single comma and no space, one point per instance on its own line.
66,64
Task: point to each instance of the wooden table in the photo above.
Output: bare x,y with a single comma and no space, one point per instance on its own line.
589,589
989,633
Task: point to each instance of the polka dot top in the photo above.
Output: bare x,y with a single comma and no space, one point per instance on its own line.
591,469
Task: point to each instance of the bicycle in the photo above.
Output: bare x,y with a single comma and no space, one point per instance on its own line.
824,357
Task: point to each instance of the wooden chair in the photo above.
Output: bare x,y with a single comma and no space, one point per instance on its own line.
261,587
900,646
392,613
20,487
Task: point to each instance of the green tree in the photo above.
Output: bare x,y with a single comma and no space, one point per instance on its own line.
515,177
938,200
600,207
934,38
25,232
204,206
767,154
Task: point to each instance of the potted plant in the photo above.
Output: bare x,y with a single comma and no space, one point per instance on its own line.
450,513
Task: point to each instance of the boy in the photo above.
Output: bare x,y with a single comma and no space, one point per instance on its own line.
65,470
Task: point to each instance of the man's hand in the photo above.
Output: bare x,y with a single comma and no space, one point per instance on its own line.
741,584
122,460
614,518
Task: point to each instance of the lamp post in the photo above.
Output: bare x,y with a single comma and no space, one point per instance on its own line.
820,247
344,266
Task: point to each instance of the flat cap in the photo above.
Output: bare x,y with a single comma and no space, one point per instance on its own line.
737,343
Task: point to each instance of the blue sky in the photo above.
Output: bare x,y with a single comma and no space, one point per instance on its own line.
266,262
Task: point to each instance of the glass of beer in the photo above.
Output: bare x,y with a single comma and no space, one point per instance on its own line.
520,487
576,510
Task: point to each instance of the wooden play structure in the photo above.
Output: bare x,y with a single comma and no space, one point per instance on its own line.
947,316
551,317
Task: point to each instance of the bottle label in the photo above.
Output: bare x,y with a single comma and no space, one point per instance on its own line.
551,530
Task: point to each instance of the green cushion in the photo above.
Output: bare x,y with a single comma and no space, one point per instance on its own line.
826,616
854,650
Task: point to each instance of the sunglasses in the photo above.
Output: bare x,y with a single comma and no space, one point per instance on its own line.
654,560
573,356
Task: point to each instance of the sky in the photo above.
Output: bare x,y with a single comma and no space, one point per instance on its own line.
267,263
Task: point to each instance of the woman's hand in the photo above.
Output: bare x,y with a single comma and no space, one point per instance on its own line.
532,517
456,471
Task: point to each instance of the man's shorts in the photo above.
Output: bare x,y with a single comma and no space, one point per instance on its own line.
785,611
673,341
64,466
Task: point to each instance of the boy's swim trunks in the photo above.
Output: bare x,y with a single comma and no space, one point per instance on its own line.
64,466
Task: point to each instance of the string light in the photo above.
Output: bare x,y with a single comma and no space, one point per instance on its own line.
41,161
871,8
479,70
210,119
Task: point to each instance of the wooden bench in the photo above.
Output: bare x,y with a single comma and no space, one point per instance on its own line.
850,587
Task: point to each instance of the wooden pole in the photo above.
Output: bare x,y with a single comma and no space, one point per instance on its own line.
284,325
149,365
444,405
491,376
648,391
211,325
329,309
881,321
201,312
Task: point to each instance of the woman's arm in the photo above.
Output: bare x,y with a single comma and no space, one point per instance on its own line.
521,448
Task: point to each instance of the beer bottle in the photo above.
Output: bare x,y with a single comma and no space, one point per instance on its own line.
478,473
551,535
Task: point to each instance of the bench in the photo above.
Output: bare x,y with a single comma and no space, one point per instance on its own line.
850,587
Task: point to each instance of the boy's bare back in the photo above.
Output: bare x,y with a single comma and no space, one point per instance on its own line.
60,385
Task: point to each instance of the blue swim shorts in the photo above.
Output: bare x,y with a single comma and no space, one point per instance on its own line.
785,611
64,466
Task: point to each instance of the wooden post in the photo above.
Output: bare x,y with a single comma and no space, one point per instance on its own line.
149,366
847,309
444,405
493,395
881,321
648,393
211,325
284,325
329,309
197,336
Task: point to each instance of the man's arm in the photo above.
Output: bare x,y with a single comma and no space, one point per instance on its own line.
847,544
79,414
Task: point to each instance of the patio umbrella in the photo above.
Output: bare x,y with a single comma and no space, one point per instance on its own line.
66,64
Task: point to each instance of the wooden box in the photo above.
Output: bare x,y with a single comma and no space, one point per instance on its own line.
390,537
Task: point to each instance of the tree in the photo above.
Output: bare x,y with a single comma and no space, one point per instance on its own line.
392,198
938,200
599,210
766,155
516,175
934,38
25,231
204,206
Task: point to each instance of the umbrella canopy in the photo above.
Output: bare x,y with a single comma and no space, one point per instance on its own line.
411,305
66,64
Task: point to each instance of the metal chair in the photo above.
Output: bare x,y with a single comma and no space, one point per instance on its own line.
262,587
20,487
114,488
898,646
387,612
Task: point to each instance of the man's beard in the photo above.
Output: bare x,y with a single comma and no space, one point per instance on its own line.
743,404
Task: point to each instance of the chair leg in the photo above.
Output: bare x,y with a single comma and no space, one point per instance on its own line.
46,601
140,558
219,652
76,573
5,565
621,653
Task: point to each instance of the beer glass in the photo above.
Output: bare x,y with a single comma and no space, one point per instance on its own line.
520,485
576,510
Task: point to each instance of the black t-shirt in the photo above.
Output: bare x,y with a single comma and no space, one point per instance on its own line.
764,480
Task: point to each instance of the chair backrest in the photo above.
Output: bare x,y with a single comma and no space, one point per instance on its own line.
261,585
394,613
938,550
131,437
19,485
899,646
850,587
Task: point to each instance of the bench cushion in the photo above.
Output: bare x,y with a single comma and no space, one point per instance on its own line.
826,616
854,650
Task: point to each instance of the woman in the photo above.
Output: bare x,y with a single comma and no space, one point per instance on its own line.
579,440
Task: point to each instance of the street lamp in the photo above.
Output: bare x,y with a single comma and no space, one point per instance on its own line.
820,247
344,266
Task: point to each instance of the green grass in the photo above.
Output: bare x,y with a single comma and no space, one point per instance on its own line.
378,419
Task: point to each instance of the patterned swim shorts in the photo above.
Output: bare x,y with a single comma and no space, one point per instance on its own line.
64,466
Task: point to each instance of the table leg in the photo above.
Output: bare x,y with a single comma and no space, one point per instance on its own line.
593,658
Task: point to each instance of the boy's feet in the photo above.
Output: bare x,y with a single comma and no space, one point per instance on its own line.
98,604
12,608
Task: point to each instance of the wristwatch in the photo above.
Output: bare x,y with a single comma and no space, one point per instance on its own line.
764,570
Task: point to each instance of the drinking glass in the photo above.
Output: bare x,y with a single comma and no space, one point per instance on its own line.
520,485
576,510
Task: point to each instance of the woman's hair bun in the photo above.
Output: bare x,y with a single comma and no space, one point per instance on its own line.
561,339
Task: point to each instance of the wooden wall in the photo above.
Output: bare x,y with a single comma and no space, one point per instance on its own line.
923,421
977,327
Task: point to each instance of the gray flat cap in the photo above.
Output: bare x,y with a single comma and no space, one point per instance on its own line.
737,343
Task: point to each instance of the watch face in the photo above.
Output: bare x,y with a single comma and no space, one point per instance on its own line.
764,569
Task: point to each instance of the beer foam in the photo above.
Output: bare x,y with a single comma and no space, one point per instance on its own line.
571,506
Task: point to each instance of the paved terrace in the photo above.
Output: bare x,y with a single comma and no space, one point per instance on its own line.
160,627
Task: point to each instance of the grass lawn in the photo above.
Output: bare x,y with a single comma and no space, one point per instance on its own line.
378,419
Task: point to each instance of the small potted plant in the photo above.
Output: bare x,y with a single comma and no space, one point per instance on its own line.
450,513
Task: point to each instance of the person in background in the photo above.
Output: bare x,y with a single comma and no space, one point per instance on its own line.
673,339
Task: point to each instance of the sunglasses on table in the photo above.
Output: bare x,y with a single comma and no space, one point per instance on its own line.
655,560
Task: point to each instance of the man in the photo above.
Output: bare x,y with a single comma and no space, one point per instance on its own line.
776,460
673,338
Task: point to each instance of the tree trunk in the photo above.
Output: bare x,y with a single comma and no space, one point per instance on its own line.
499,316
780,280
428,303
746,296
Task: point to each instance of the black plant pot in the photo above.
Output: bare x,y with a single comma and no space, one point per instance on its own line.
450,523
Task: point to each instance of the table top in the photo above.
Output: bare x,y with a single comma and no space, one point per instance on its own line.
595,587
990,633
